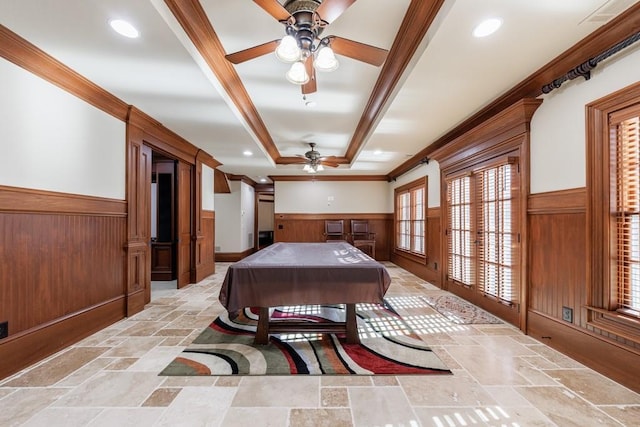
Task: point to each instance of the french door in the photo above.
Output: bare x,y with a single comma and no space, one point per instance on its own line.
483,236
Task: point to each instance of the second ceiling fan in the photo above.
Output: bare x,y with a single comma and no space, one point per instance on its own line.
302,45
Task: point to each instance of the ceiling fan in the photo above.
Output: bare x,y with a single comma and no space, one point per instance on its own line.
313,161
302,46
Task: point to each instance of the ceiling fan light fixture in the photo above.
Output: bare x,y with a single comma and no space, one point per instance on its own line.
297,74
319,168
326,60
288,50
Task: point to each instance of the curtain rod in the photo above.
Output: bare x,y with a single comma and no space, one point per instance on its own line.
584,69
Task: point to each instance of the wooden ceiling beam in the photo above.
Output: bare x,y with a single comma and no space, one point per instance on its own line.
197,26
417,21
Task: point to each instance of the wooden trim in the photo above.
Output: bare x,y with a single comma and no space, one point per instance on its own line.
496,131
328,177
24,200
607,357
242,178
220,182
19,51
434,212
161,138
599,239
558,202
196,24
23,349
417,21
316,216
233,256
608,35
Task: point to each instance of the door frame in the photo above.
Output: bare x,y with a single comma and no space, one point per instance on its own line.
143,135
507,131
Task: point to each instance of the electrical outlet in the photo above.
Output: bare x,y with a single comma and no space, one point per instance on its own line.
567,314
4,330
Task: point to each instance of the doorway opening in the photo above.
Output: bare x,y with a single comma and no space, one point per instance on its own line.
264,217
163,225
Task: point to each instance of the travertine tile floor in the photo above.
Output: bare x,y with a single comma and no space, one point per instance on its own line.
500,378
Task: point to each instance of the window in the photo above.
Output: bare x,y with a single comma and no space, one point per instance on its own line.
410,218
481,232
626,218
613,188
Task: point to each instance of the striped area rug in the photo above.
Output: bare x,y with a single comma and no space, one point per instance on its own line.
388,347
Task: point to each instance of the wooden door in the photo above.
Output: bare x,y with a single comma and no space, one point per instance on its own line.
184,224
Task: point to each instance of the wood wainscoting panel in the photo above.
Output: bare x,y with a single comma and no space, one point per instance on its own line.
54,265
310,228
557,255
58,268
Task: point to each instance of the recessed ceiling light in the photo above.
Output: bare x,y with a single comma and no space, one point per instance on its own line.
263,179
247,153
124,28
377,152
487,27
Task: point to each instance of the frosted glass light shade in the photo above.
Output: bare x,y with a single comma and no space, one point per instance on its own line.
297,74
288,50
326,60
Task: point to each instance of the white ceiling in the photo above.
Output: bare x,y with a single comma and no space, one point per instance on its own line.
452,76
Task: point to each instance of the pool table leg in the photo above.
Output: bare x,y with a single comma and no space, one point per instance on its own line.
352,325
262,333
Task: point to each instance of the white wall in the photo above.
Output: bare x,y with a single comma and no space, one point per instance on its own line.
235,216
228,220
332,197
51,140
558,150
207,188
432,170
247,213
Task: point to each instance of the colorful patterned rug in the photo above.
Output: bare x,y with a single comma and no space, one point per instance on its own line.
459,311
388,346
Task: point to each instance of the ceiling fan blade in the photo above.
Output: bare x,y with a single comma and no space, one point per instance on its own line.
252,52
330,10
330,164
359,51
310,86
274,8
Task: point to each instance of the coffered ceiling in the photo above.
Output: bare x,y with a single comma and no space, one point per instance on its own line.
373,119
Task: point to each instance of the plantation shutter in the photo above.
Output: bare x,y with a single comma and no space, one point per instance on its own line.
626,131
460,238
404,220
418,208
496,236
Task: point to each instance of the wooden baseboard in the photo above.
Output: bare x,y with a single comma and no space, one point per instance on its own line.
611,360
420,270
21,350
232,256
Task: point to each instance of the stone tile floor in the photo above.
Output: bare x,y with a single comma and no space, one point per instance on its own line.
500,378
